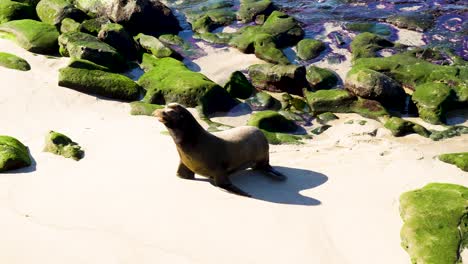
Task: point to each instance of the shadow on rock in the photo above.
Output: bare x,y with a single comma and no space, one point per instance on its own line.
264,188
29,169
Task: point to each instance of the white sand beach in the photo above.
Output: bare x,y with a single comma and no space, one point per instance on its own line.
122,203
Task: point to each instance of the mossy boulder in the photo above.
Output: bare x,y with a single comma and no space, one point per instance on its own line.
62,145
98,82
272,121
215,38
141,108
87,65
400,127
116,36
13,154
326,117
54,11
458,159
250,9
12,10
375,28
170,80
365,45
238,86
69,25
435,223
212,19
412,20
266,49
431,100
263,101
154,46
11,61
377,86
278,78
31,35
84,46
285,29
453,131
320,78
93,26
277,138
308,49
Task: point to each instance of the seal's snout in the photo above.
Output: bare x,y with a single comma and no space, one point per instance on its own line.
159,114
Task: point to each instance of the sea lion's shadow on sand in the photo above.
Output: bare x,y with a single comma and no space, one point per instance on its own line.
264,188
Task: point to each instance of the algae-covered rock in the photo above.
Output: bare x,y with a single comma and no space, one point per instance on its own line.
284,28
400,127
116,36
215,38
62,145
374,85
320,78
308,49
141,108
294,104
12,10
262,101
365,45
412,20
93,26
249,9
54,11
276,138
431,100
13,154
375,28
278,78
155,46
170,80
326,117
272,121
435,223
212,19
84,46
99,82
85,64
69,25
11,61
320,129
31,35
458,159
450,132
266,49
238,86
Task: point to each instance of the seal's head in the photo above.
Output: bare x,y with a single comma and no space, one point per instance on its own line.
178,120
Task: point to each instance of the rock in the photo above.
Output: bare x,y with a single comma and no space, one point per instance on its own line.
377,86
250,9
262,101
62,145
450,132
98,82
11,61
11,10
400,127
93,26
375,28
156,47
278,78
365,45
412,20
294,104
84,46
54,11
272,121
265,49
69,25
87,65
434,222
148,62
458,159
137,16
238,86
213,19
141,108
320,78
326,117
319,130
285,29
431,99
31,35
308,49
215,38
13,154
116,36
171,39
170,80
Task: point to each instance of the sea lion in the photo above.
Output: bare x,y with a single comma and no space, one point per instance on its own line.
217,155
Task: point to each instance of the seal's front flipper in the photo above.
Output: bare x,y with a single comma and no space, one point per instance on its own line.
184,172
274,174
225,183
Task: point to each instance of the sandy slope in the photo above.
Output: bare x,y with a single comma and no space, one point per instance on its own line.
123,204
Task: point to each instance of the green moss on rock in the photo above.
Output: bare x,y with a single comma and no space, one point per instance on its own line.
400,127
320,78
141,108
276,138
13,154
31,35
12,10
266,49
308,49
116,36
375,28
238,86
412,20
62,145
54,11
93,26
326,117
249,9
11,61
155,47
450,132
365,45
272,121
80,45
458,159
278,78
434,223
85,64
431,100
99,82
262,101
69,25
